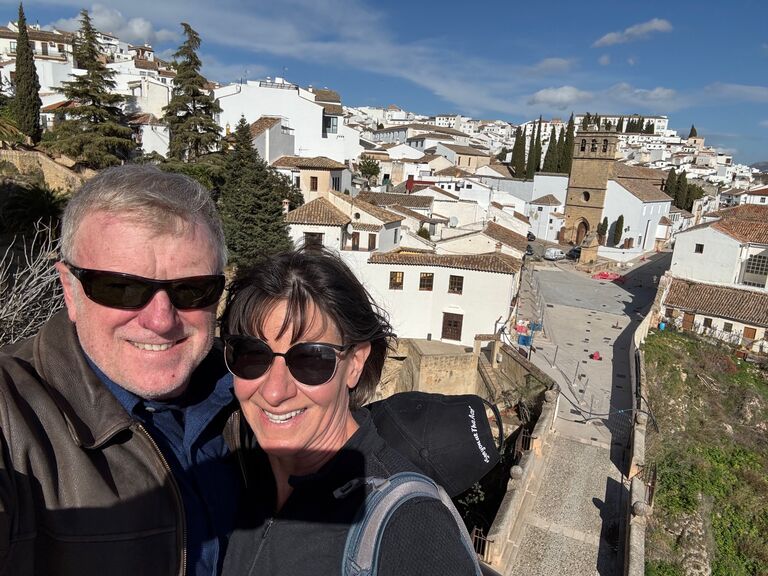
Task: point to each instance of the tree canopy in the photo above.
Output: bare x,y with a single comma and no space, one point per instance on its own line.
251,203
26,101
190,113
368,167
518,153
94,132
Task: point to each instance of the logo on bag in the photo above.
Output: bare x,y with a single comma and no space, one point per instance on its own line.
476,435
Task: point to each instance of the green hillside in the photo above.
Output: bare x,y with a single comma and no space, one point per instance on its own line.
711,454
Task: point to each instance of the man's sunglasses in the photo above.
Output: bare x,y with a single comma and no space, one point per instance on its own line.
129,292
310,363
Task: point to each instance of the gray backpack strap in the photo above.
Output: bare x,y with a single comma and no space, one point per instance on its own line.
361,552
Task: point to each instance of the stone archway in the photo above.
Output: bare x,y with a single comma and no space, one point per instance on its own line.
581,232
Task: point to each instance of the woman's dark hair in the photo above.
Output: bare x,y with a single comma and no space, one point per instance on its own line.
301,278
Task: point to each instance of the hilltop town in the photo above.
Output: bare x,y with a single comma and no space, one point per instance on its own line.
466,230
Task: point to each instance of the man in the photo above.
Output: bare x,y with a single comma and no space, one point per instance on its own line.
113,460
118,432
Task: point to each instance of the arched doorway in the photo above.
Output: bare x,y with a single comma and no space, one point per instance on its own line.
581,231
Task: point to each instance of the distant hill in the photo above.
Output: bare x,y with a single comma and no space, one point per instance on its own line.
762,166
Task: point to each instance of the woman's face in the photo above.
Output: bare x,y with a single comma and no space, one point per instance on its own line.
295,422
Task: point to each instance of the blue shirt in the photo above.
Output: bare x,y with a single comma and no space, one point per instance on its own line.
187,430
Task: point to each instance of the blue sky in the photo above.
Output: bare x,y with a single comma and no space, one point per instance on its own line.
701,63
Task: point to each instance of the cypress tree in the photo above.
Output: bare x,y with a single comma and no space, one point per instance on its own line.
618,230
537,148
670,185
550,158
190,112
27,103
518,153
95,131
251,203
530,166
566,155
681,194
602,229
620,125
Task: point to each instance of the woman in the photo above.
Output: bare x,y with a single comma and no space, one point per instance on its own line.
306,345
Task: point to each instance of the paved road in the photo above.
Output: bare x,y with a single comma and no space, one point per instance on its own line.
573,519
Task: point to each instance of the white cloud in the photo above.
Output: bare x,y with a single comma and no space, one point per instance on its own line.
559,98
636,32
552,65
631,61
743,92
604,60
110,20
764,123
658,98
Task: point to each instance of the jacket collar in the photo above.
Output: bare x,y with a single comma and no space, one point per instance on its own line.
92,413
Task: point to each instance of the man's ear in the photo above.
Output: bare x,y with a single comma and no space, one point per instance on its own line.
67,285
359,354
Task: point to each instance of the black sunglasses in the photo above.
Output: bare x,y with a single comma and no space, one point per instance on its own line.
129,292
310,363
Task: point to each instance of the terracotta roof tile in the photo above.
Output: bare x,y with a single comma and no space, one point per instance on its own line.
644,190
747,306
522,217
262,124
490,262
385,216
505,236
453,171
319,212
366,227
546,200
432,136
325,95
465,150
752,231
314,163
390,199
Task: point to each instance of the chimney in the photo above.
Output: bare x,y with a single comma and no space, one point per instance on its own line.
498,246
409,184
286,205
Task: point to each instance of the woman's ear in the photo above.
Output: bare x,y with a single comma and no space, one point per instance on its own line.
357,358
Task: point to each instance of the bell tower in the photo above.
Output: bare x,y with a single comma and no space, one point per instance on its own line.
594,158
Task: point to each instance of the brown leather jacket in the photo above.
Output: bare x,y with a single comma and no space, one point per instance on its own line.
84,490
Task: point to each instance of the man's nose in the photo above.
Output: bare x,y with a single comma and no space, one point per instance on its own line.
159,315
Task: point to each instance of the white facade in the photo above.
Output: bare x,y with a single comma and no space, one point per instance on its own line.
303,115
704,254
474,243
640,218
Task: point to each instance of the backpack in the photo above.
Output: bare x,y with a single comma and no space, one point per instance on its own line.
361,552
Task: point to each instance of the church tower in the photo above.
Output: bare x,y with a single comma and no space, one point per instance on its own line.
594,158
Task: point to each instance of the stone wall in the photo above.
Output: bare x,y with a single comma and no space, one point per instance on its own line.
56,176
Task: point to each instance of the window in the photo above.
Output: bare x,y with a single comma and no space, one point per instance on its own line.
583,146
426,280
13,46
395,280
757,264
371,242
456,284
585,196
452,326
336,183
313,183
540,208
728,327
605,145
297,181
707,322
330,124
593,145
313,239
355,241
699,249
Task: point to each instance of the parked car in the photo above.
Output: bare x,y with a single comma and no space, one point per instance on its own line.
530,237
553,254
574,253
529,250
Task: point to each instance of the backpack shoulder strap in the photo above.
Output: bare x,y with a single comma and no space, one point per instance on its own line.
364,538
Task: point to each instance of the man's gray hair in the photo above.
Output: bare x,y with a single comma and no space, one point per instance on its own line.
163,201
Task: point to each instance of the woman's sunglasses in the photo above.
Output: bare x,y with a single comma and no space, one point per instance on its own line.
310,363
129,292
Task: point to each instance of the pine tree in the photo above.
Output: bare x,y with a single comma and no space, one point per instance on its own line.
26,103
566,152
693,133
95,131
550,158
681,193
670,184
518,153
190,112
530,164
618,230
251,203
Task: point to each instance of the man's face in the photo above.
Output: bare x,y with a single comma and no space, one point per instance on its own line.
151,351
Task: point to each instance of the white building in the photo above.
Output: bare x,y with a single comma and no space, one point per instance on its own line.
314,115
